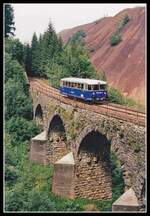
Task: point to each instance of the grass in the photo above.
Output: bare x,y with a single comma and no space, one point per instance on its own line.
32,189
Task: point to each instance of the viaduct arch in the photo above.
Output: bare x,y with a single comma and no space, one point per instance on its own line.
56,139
93,168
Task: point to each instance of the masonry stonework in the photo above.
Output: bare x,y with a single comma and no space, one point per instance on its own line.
56,147
92,179
127,141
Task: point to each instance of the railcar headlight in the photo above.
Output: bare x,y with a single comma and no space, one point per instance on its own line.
93,93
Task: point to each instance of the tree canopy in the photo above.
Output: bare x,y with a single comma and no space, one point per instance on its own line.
48,57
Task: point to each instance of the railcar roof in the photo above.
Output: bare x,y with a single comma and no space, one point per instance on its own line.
83,80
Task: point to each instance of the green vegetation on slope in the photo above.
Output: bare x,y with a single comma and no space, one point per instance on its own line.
115,37
115,96
28,185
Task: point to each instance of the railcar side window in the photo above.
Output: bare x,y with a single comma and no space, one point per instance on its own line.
95,87
78,86
89,87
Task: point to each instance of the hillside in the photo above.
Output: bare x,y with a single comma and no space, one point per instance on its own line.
124,64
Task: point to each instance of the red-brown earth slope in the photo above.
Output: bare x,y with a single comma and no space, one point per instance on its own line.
124,64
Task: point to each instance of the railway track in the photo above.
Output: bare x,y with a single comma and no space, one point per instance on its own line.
109,109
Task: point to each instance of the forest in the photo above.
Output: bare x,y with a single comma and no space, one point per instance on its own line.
28,185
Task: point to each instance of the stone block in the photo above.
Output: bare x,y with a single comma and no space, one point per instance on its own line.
38,150
63,177
126,202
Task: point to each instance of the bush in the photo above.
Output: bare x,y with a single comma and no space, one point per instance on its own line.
72,206
77,38
17,103
14,200
123,22
11,174
115,96
13,70
117,178
40,202
115,39
21,129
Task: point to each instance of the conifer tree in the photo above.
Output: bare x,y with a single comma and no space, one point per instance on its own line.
35,56
18,51
9,21
50,43
28,59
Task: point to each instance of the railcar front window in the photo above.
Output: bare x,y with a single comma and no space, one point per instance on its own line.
103,87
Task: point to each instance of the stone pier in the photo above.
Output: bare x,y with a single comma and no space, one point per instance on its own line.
63,177
38,149
127,202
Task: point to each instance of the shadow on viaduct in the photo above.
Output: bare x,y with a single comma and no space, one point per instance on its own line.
78,143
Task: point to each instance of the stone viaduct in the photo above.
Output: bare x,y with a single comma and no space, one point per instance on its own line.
78,143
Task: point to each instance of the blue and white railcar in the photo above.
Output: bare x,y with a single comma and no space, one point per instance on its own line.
86,89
